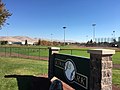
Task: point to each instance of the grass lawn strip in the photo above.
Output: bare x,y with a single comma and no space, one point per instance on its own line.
116,77
11,66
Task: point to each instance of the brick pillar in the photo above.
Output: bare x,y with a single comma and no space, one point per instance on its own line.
52,50
101,69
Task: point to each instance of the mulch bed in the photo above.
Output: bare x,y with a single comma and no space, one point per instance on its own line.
116,66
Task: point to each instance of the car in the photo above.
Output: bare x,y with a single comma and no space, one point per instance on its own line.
114,45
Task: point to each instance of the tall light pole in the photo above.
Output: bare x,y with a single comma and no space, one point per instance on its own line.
114,40
86,38
7,32
93,32
51,37
64,34
114,34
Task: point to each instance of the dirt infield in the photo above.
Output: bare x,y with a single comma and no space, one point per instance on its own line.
22,56
116,66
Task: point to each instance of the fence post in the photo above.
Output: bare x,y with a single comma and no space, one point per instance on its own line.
101,69
5,51
39,53
50,65
28,53
10,51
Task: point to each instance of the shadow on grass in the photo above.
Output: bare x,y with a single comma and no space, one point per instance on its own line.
29,82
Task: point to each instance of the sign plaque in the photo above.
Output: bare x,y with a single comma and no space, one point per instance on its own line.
72,70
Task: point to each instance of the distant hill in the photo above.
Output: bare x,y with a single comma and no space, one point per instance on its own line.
17,38
29,39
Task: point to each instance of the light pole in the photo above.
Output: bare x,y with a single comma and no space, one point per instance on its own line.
64,34
114,40
114,34
86,38
51,37
7,24
93,32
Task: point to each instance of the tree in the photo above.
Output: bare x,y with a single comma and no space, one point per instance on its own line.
39,42
114,40
4,14
3,42
26,43
91,41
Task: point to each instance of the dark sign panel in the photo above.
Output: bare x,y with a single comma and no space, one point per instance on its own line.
73,70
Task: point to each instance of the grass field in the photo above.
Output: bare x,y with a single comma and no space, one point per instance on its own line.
43,52
116,77
10,66
116,58
25,51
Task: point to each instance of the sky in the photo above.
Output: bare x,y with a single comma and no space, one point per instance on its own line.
46,19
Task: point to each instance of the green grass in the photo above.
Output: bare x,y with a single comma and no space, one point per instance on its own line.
35,51
116,77
116,58
25,51
11,66
77,52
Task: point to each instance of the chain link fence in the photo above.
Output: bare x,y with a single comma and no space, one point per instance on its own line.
21,52
42,53
37,53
